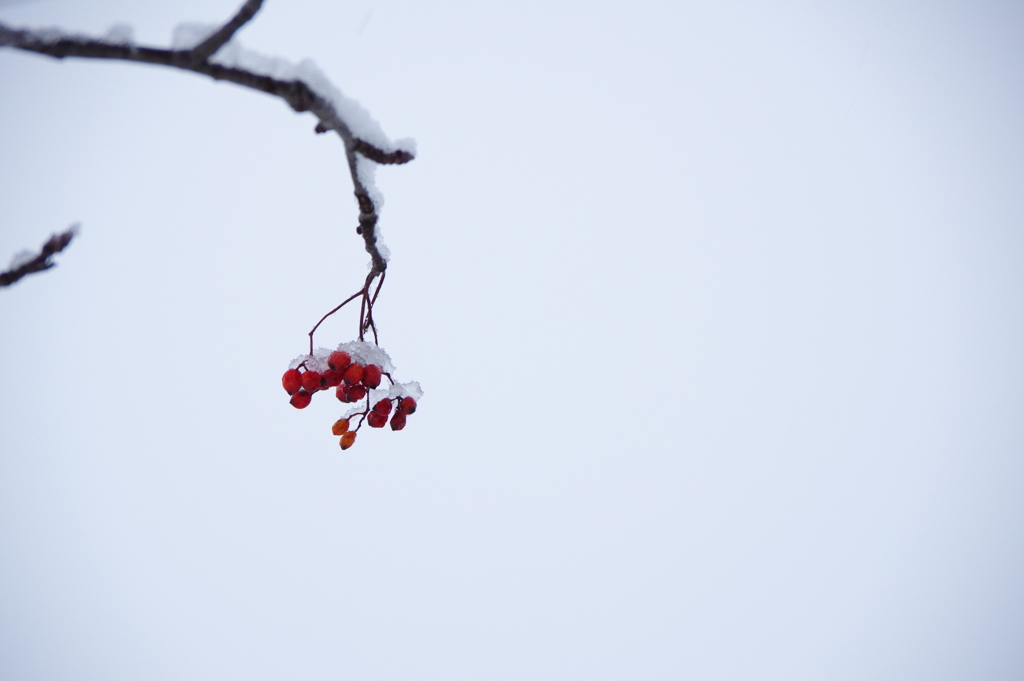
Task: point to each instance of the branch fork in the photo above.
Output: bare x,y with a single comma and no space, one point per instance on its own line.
297,93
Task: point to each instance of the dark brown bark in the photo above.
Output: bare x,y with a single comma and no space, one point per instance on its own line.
55,244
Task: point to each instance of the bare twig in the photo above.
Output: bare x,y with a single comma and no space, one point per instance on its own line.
343,304
55,244
368,322
208,47
362,308
299,95
366,302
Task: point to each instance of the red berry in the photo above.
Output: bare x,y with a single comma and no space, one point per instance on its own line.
353,374
356,393
301,399
371,376
341,393
376,420
338,360
330,378
348,439
311,381
398,421
407,405
383,407
292,381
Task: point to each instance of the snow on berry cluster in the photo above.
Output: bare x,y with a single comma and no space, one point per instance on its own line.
355,370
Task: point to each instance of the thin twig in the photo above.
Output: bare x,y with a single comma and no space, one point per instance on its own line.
362,312
209,47
362,417
55,244
343,304
369,309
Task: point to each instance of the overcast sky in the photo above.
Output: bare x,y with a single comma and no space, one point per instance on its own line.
717,307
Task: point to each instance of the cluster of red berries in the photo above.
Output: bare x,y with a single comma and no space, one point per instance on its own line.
376,418
350,378
352,381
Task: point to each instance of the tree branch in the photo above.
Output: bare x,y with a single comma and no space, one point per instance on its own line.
298,94
55,244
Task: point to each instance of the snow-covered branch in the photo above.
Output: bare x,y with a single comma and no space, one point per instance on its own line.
304,87
27,262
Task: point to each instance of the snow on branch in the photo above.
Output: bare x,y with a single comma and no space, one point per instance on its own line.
27,262
303,86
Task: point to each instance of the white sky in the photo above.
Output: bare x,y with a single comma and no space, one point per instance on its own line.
717,307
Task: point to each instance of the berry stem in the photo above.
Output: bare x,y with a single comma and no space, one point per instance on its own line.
370,302
361,292
347,301
362,417
366,322
362,315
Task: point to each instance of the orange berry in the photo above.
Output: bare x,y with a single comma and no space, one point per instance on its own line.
340,427
347,439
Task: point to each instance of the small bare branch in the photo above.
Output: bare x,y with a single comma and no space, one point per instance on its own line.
55,244
374,154
361,292
208,47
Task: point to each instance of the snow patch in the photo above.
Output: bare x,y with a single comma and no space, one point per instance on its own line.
189,35
358,119
234,55
21,258
366,171
406,144
362,352
411,389
119,34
